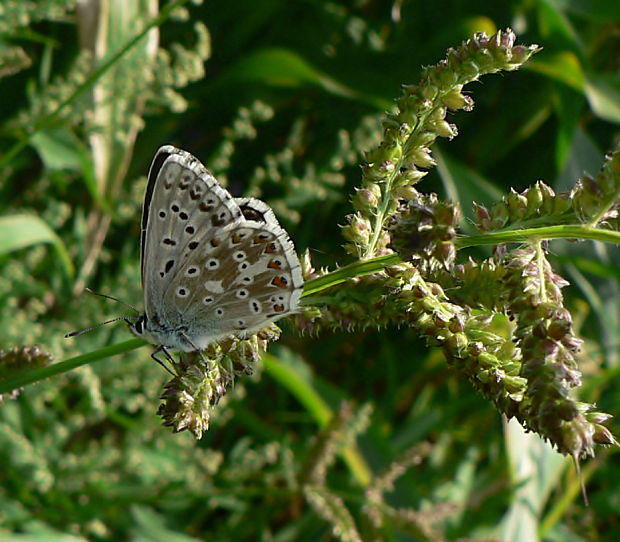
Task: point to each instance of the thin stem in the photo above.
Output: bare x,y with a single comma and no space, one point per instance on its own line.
63,366
355,269
380,215
569,231
540,265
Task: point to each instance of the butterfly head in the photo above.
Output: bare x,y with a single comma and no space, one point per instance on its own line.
138,328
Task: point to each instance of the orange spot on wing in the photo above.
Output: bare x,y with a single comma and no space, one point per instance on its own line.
278,308
271,248
280,282
275,264
215,242
261,238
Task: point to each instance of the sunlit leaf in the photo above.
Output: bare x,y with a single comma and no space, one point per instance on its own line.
21,231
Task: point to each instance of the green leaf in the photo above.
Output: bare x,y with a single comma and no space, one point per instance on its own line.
284,68
604,96
150,526
562,66
536,467
57,149
294,375
20,231
598,10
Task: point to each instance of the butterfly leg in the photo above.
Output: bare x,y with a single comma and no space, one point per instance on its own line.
169,358
206,362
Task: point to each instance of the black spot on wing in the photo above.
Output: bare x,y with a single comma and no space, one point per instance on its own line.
249,213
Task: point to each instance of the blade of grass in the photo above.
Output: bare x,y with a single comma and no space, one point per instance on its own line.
300,388
36,375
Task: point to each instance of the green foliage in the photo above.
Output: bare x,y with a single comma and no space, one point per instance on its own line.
285,106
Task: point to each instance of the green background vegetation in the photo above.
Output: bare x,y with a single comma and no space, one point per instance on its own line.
291,95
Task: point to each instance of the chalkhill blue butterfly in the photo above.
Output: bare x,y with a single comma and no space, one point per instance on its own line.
213,266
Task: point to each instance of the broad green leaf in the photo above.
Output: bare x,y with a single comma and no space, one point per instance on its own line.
284,68
57,149
599,10
556,29
562,66
604,96
535,468
20,231
37,531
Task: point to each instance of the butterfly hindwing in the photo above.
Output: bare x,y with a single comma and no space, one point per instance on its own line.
239,282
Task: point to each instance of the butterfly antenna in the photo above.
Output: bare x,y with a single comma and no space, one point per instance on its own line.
87,329
92,292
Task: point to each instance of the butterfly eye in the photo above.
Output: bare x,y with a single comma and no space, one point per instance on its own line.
139,325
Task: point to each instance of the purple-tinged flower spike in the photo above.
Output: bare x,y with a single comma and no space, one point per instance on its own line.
548,347
401,159
423,231
596,200
593,201
191,396
536,206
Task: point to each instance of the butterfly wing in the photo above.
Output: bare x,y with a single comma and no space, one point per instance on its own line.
246,276
183,203
212,264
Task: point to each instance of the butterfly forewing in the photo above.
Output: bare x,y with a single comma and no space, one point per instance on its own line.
182,204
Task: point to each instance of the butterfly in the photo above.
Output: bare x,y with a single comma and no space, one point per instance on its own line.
212,266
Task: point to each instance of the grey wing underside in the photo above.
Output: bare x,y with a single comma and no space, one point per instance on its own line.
196,222
178,183
257,282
